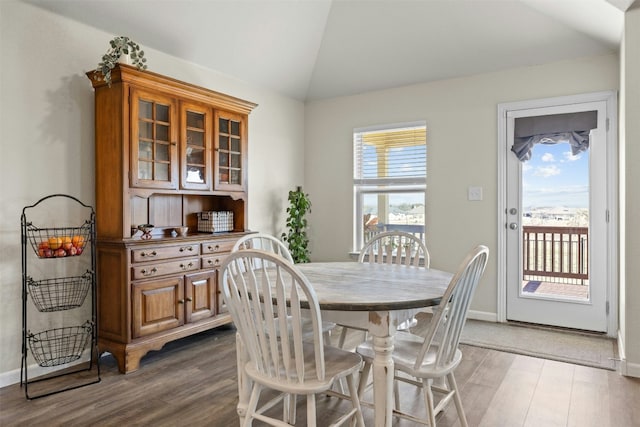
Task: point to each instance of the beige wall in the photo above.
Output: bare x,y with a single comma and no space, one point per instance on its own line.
46,138
629,179
461,138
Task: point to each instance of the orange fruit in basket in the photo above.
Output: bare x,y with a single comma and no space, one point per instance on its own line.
55,243
66,243
78,241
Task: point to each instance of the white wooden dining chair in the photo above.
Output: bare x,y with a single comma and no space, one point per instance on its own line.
395,247
265,242
278,361
424,361
269,243
391,247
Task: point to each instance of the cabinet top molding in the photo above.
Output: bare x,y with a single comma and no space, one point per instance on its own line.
123,73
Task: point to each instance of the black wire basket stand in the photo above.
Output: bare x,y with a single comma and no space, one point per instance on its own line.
58,346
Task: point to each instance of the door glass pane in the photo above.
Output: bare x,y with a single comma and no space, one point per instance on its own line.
224,143
145,129
235,161
224,126
235,145
224,159
223,175
195,120
162,152
235,177
145,110
195,138
195,174
144,150
196,156
162,132
162,113
144,170
235,128
555,223
162,172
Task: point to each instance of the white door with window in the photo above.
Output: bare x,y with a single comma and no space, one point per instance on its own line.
557,204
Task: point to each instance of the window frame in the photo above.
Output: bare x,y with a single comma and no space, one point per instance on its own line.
391,186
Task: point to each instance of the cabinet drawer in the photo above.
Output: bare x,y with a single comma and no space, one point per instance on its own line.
164,252
164,268
213,261
216,246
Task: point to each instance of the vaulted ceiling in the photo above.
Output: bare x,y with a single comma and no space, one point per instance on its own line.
314,49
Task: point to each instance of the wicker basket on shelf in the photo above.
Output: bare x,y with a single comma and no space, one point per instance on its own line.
58,346
59,293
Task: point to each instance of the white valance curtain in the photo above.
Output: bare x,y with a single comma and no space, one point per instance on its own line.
573,128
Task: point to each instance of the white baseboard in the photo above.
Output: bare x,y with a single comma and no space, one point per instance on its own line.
626,368
629,369
34,370
9,378
482,315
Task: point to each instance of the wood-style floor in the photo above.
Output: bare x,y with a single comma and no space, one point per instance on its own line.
193,382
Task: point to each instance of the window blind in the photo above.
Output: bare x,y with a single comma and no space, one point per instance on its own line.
394,155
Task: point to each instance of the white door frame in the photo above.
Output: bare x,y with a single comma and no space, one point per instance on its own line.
610,97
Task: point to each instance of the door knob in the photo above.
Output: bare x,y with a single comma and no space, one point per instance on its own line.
513,226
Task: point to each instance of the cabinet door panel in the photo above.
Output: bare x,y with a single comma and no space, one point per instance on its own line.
195,146
200,289
230,162
154,162
157,306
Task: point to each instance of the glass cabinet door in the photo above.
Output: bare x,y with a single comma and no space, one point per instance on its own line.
195,146
231,152
153,141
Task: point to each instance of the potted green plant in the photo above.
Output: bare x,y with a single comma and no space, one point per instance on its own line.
120,46
299,206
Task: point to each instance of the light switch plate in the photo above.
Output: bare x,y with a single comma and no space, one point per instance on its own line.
474,193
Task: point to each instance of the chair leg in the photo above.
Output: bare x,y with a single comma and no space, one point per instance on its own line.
355,400
289,409
326,336
343,337
457,400
364,376
253,404
428,400
311,410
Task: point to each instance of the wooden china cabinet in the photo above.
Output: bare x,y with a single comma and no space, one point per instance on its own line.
165,150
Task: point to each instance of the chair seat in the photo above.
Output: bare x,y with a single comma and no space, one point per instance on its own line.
406,348
338,364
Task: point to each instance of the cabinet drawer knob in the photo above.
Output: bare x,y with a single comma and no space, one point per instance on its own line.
180,301
213,262
186,267
151,272
149,254
189,299
186,248
213,248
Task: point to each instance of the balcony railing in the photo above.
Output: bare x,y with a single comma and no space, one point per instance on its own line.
415,229
558,252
